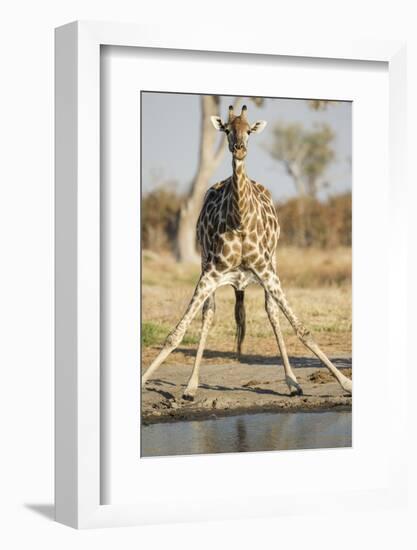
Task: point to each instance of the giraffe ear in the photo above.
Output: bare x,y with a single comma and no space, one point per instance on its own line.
258,127
217,123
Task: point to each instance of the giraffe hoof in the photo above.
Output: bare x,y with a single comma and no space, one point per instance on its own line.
297,391
347,386
187,397
293,386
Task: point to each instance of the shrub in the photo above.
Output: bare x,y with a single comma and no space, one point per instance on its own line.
310,222
159,219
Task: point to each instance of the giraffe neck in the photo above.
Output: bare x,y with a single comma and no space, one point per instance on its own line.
240,192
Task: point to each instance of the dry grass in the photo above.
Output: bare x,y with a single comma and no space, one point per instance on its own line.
317,284
311,267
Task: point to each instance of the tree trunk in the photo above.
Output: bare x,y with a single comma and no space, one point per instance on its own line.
187,220
209,160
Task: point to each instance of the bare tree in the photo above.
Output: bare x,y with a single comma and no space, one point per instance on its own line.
209,159
305,155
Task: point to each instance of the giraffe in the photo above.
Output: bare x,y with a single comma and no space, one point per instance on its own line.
238,232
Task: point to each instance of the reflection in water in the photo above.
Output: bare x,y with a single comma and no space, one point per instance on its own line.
249,432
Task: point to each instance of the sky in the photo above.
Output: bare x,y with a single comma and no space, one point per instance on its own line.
171,137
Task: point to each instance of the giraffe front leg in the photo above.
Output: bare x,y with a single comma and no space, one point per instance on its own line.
273,314
205,287
208,316
271,283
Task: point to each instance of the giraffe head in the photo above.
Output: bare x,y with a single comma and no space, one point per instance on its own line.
237,129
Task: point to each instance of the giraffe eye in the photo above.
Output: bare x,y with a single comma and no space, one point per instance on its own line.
227,131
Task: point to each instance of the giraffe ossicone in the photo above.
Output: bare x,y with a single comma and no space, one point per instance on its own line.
238,232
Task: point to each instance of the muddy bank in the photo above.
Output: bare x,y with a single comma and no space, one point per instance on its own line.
242,388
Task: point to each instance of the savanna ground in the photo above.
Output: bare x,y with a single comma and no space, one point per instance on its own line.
317,283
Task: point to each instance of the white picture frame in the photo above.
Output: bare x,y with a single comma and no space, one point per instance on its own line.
78,404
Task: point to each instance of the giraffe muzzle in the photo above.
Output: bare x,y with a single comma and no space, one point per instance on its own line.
239,150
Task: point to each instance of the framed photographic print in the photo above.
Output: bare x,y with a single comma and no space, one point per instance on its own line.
238,228
222,250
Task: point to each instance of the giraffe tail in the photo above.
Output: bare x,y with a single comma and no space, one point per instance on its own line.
240,317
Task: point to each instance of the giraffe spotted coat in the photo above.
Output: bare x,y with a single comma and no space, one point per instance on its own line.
238,228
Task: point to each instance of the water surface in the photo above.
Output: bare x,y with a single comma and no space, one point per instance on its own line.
249,432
